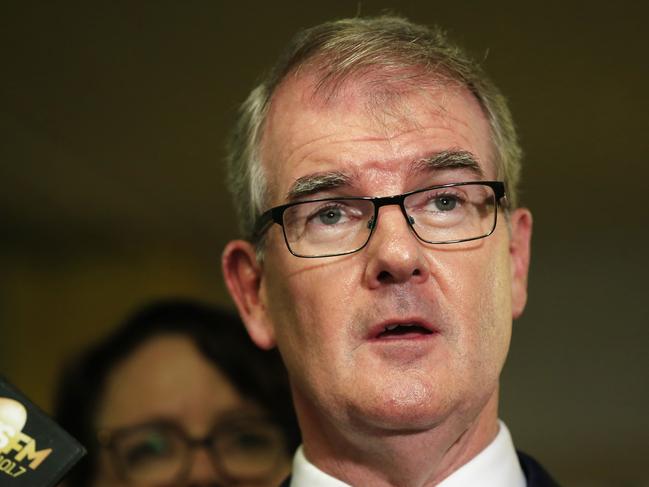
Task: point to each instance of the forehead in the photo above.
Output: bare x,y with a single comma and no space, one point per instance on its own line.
166,378
367,129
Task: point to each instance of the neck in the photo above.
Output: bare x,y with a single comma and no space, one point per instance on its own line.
408,459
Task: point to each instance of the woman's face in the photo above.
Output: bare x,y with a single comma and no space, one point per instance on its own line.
173,419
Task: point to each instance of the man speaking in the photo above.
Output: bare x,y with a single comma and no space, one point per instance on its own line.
375,174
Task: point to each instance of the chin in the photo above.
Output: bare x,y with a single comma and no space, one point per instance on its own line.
402,408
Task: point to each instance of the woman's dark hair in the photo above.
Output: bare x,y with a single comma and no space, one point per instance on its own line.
219,335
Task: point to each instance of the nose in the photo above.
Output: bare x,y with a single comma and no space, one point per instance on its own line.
395,254
202,472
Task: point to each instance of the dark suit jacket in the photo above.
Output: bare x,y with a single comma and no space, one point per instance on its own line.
535,475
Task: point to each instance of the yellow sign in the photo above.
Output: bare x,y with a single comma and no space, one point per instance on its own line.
17,448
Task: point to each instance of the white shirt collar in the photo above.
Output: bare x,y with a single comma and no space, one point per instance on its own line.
497,465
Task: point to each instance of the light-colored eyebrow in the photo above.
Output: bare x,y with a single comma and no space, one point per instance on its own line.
315,183
449,159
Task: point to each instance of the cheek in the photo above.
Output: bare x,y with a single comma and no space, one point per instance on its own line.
309,303
306,290
476,286
494,308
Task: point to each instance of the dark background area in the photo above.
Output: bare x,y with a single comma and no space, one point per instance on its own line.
113,117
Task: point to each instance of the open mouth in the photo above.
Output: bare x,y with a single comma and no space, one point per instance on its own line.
403,330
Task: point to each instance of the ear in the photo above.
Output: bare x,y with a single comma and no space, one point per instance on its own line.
243,276
520,221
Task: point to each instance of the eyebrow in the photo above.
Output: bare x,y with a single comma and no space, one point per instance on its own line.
450,159
315,183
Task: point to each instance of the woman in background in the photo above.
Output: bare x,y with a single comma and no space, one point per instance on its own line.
178,396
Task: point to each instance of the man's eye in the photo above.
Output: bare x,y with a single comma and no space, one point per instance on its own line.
330,216
445,203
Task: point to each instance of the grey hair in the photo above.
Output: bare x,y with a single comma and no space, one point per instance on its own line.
396,48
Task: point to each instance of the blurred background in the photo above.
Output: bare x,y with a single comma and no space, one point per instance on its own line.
113,117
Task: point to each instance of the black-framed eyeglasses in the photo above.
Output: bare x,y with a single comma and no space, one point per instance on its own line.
443,214
159,453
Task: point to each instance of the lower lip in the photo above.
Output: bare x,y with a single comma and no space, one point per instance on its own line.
406,347
404,336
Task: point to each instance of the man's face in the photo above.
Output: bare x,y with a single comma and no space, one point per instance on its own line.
328,315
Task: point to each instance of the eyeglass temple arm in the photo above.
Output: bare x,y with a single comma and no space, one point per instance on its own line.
265,220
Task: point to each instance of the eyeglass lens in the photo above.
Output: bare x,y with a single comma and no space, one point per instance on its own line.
249,453
151,454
